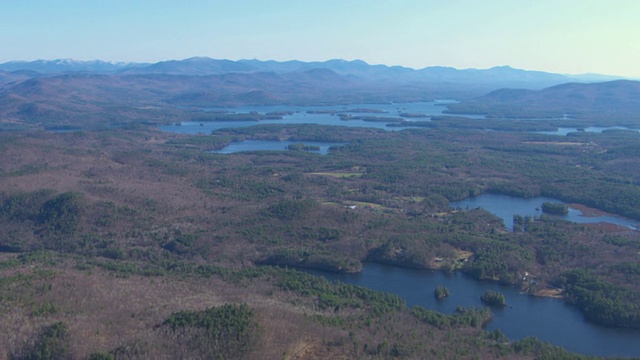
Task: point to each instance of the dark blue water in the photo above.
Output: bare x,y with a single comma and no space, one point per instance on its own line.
262,145
505,206
548,319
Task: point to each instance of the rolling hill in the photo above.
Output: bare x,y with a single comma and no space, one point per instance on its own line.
620,98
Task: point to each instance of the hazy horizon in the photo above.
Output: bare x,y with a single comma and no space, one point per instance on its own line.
568,37
614,76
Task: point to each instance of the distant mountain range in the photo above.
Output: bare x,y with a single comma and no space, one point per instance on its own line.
68,65
63,92
202,66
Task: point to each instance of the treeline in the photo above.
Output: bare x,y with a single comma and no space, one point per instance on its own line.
287,209
338,295
601,301
311,259
463,317
543,350
227,332
616,198
54,220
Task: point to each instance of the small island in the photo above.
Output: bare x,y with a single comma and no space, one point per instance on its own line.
555,208
493,298
322,112
303,147
441,292
413,115
279,113
365,111
346,117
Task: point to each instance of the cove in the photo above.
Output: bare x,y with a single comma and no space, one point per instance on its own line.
548,319
273,145
505,206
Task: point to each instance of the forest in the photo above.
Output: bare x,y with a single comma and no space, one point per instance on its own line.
201,247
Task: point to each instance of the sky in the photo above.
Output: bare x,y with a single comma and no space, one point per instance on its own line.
561,36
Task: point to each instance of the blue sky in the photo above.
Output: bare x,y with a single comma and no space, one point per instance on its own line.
565,36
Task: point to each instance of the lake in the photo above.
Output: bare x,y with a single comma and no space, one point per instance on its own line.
420,111
273,145
563,131
505,206
548,319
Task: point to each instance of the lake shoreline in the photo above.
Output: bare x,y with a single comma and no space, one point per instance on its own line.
589,211
538,310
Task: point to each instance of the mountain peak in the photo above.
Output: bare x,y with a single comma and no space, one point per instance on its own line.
502,67
197,58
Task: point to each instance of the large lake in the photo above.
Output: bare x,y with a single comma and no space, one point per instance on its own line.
420,111
321,115
505,206
548,319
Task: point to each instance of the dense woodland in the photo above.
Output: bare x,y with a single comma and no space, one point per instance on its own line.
136,243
